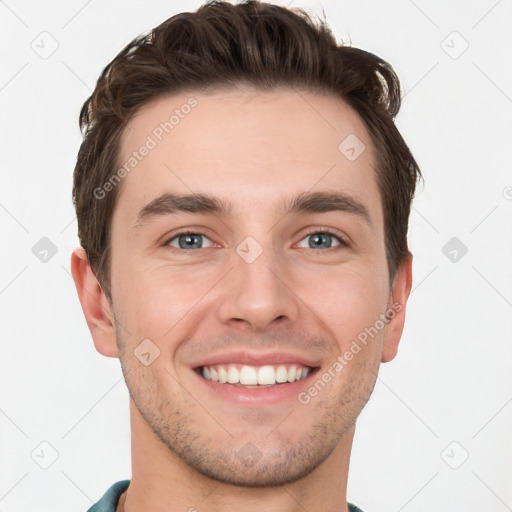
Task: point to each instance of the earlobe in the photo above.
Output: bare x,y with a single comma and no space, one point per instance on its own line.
396,309
95,305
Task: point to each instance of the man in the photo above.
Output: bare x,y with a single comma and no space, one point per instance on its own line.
243,197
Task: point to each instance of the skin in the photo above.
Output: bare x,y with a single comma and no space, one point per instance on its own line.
254,149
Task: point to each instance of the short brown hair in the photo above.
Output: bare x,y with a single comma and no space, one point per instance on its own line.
223,45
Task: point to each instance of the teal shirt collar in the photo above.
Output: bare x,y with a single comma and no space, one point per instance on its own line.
109,501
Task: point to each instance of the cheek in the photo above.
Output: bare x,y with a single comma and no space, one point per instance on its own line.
156,302
349,305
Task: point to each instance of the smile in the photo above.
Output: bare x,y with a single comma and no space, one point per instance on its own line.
254,376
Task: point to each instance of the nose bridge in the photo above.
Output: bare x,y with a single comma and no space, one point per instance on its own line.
257,293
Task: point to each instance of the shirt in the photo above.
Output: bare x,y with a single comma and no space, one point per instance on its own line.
109,501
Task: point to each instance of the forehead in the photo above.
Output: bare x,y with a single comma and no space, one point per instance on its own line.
250,147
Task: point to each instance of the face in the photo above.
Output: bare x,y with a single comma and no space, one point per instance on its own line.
248,252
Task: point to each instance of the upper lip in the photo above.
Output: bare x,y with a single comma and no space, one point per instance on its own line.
256,359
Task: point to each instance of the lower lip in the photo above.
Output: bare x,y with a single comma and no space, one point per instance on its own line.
255,396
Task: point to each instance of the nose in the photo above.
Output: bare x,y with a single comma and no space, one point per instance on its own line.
256,294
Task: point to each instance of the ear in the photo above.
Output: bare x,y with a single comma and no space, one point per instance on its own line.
95,305
400,291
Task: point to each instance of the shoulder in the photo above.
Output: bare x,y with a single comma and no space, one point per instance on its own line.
108,502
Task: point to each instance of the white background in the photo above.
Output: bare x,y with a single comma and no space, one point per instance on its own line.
451,380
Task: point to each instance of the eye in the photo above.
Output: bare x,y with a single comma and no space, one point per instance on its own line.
189,241
321,240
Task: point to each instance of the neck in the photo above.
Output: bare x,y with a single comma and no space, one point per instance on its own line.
162,481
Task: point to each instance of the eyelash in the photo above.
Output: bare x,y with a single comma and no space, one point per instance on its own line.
342,240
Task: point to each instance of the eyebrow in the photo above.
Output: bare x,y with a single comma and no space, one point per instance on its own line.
307,202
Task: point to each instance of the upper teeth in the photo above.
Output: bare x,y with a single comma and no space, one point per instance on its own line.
252,375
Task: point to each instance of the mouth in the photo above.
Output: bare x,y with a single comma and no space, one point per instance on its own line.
256,385
254,376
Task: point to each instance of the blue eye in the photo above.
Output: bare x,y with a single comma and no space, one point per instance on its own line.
189,241
316,240
321,240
